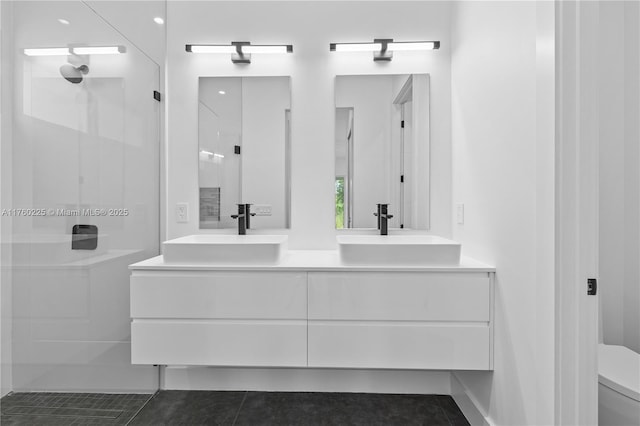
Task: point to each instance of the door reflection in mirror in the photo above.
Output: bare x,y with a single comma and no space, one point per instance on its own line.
382,150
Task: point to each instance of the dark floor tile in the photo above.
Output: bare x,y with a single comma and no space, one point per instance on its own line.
35,421
451,409
277,408
49,408
190,408
61,412
90,421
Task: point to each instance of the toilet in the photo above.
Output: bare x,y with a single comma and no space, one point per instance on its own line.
618,386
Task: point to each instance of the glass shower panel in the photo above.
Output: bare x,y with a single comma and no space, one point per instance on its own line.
85,160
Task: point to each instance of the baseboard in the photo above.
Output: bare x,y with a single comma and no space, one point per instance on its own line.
307,380
467,404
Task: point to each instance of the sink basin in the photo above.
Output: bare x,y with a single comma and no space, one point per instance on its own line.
405,250
211,249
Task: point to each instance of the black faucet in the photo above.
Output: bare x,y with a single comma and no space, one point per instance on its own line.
244,213
383,217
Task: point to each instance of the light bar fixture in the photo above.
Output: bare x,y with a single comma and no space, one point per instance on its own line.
50,51
78,50
98,50
383,48
240,50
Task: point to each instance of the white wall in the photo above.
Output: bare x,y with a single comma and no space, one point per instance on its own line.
503,156
134,19
310,27
619,213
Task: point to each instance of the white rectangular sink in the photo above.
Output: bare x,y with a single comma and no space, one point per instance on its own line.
212,249
404,250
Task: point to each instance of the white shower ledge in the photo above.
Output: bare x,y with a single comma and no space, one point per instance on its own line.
310,260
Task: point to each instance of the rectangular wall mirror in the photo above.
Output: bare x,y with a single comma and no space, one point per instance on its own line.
382,150
244,144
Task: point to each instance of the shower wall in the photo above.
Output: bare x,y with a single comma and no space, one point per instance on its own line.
85,153
5,194
619,105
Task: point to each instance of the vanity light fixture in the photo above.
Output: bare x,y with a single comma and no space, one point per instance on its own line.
383,48
78,50
240,50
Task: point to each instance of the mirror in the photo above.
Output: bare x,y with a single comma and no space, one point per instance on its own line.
244,144
382,150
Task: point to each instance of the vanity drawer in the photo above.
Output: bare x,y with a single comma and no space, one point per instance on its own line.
397,296
368,344
219,342
219,295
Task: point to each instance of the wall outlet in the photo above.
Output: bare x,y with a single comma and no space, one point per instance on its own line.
182,212
460,214
261,209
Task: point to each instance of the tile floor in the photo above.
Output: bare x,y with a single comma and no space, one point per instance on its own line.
57,409
229,408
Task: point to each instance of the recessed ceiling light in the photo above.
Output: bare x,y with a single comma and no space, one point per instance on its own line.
222,92
63,21
158,20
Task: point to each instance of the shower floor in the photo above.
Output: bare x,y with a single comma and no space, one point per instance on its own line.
229,408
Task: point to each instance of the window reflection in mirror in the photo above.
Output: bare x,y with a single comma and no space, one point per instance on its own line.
243,155
382,150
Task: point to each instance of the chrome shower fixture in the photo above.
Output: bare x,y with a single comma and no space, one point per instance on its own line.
74,74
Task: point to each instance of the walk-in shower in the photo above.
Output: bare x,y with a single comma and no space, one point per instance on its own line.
84,156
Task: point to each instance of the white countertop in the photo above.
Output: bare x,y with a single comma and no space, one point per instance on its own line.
310,260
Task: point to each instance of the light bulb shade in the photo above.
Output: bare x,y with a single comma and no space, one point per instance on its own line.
210,48
50,51
413,45
98,50
355,47
267,49
78,50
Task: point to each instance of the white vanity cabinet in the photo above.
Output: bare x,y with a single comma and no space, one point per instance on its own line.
219,318
400,320
311,311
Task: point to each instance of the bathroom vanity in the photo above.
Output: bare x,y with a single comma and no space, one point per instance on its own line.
310,309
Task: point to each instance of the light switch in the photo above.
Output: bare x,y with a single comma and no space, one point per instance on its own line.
460,214
182,212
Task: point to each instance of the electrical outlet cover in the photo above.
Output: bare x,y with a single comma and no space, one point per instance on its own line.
182,212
